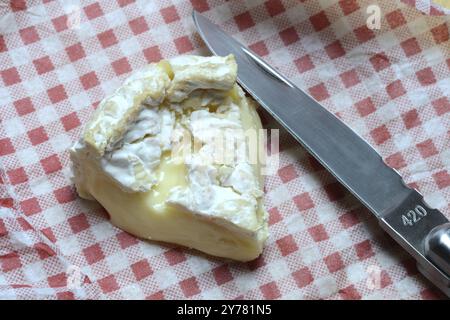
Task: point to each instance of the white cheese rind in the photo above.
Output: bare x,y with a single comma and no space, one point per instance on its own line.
194,72
122,159
133,161
115,112
221,186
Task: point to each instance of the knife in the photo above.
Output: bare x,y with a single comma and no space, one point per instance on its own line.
422,231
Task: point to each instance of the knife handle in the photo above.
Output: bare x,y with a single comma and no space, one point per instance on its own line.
437,246
437,249
425,233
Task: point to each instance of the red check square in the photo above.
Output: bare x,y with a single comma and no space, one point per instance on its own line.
427,148
411,119
30,206
123,3
270,291
18,5
89,80
108,284
49,234
10,76
3,47
365,107
349,219
222,274
287,245
442,179
244,21
318,233
24,224
319,92
364,34
189,287
93,11
57,94
441,105
64,195
289,36
287,173
440,33
126,240
174,256
70,121
380,61
395,89
152,54
10,261
274,216
334,262
138,25
395,19
121,66
257,263
183,44
260,48
350,293
319,21
3,231
43,250
59,280
37,136
335,50
107,38
75,52
17,176
274,7
364,250
78,223
380,134
93,254
410,47
170,14
350,78
43,65
29,35
141,269
303,277
200,5
60,23
65,295
303,201
6,203
348,6
24,106
396,161
6,147
304,64
426,77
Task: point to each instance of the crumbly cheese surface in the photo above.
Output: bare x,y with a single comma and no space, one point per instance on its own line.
132,162
186,117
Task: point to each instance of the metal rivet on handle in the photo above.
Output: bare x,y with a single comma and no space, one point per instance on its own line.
437,247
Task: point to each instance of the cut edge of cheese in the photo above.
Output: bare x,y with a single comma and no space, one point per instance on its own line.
115,112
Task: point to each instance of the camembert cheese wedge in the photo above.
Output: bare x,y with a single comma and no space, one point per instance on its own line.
169,156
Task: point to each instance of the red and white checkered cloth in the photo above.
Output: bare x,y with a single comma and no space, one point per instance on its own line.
59,59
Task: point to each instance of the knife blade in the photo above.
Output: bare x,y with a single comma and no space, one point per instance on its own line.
422,231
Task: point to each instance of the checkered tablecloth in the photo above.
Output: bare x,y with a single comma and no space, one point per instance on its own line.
59,59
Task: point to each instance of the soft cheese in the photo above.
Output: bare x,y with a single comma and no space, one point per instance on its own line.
134,158
166,155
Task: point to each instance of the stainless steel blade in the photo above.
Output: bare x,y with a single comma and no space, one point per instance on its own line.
400,210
